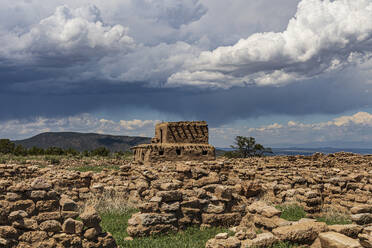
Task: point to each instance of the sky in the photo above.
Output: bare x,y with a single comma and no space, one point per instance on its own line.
287,72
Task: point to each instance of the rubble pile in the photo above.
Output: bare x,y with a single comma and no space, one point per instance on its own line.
306,231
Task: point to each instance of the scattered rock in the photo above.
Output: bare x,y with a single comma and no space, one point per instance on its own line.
51,226
90,217
40,183
303,233
262,240
231,242
337,240
222,236
351,230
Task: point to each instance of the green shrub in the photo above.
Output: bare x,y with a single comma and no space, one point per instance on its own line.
281,244
100,151
71,151
291,212
6,146
284,245
258,231
55,161
19,150
55,151
231,154
247,147
52,160
86,153
98,168
3,160
123,155
36,151
335,219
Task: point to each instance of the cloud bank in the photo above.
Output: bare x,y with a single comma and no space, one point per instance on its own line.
345,131
19,129
76,35
349,131
323,36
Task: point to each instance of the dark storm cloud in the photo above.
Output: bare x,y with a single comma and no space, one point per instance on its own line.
326,96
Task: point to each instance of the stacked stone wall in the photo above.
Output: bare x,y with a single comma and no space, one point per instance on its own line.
173,195
156,153
179,195
74,184
32,214
339,182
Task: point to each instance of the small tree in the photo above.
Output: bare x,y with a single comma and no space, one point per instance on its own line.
19,150
100,151
6,146
86,153
36,151
246,147
54,151
71,151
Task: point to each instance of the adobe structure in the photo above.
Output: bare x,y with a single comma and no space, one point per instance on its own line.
177,141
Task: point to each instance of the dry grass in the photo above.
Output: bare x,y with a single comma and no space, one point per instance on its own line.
109,202
333,217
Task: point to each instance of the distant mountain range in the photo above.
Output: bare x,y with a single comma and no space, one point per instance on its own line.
82,141
325,150
310,151
90,141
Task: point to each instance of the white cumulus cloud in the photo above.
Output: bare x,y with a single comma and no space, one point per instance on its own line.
323,36
73,34
348,130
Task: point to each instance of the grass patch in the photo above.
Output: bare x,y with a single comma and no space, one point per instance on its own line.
281,244
10,158
335,219
54,160
97,168
291,212
258,231
116,223
284,245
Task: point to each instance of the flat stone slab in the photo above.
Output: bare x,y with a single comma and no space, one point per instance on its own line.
337,240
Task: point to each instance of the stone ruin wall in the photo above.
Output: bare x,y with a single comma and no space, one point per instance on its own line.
176,141
195,132
174,152
215,192
33,214
173,195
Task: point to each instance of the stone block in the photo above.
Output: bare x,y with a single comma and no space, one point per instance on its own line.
302,233
51,226
337,240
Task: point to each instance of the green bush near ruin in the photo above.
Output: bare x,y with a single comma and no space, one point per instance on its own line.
335,219
291,212
97,168
245,147
284,245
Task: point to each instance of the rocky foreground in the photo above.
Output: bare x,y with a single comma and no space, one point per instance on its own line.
40,203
